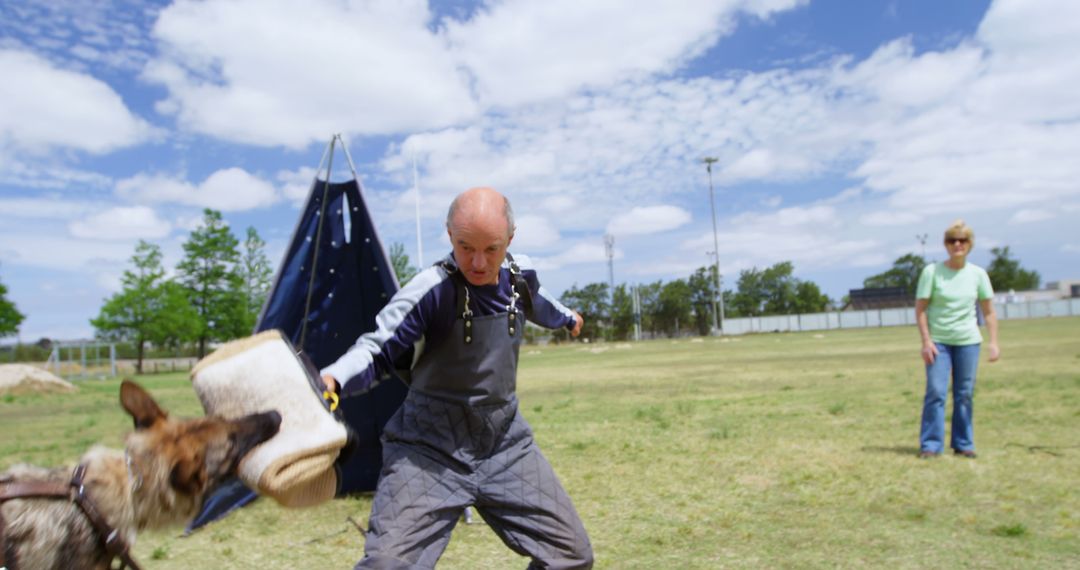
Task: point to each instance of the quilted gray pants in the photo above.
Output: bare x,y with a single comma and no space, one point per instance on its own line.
438,458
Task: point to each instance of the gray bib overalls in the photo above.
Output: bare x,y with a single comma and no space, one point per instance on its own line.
457,441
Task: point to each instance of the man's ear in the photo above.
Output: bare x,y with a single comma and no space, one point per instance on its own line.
142,407
509,239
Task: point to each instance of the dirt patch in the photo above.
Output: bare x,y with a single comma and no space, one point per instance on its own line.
25,379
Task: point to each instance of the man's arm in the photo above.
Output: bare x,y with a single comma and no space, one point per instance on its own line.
399,325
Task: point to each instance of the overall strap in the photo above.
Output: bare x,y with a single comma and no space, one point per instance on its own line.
519,287
462,298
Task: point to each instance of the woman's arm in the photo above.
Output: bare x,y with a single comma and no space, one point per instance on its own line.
929,351
991,327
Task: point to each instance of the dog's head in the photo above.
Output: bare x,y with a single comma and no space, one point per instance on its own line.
180,460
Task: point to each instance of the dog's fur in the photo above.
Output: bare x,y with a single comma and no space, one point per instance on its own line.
160,479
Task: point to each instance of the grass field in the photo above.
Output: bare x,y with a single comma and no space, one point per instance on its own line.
765,451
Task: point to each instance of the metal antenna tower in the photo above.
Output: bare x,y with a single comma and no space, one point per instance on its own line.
717,323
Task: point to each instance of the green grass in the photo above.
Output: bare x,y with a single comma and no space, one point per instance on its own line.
766,451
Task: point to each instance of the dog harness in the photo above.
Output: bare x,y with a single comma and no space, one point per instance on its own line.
75,491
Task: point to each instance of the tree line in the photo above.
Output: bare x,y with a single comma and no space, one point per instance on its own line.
218,288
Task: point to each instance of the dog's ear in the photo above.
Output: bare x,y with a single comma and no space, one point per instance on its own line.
188,476
142,407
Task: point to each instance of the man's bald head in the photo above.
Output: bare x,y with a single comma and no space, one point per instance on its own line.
481,204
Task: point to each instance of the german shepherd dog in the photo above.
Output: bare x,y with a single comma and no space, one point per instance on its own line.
159,479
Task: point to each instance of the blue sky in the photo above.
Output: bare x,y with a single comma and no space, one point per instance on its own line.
843,131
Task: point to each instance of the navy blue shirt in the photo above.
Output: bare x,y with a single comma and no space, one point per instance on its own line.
422,314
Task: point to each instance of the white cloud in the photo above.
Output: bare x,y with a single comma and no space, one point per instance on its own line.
895,75
230,189
582,252
1027,216
296,184
277,72
890,218
810,237
47,207
534,233
48,107
121,222
521,51
646,220
62,253
772,201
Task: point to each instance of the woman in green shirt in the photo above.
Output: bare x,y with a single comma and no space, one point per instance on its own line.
945,312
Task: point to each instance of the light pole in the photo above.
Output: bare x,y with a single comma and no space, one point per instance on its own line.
609,250
709,160
715,309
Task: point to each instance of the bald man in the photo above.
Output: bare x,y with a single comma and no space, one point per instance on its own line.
458,440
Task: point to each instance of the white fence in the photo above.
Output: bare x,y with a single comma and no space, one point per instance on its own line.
888,317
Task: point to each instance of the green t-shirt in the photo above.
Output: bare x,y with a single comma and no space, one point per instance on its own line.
952,294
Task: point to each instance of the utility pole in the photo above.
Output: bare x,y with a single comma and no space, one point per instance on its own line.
637,312
709,160
715,310
609,250
922,241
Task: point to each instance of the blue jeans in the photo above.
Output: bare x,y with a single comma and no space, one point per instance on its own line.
962,362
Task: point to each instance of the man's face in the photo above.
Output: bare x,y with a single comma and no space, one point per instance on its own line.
480,247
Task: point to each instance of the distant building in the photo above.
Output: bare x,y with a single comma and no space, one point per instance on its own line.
1054,290
1067,289
879,298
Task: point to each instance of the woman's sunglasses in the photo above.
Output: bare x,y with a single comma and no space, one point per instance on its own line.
950,241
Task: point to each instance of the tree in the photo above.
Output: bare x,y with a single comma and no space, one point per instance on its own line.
749,297
775,291
255,276
649,295
10,317
904,273
1006,273
702,298
622,313
674,310
213,285
148,308
809,298
591,302
779,289
400,260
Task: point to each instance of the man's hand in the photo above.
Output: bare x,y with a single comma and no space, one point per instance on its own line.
331,383
578,321
995,352
929,353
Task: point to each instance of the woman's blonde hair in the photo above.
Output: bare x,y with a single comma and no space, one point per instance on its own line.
959,229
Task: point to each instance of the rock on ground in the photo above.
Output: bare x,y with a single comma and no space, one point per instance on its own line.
26,379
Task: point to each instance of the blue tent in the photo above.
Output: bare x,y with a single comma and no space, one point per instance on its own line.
335,277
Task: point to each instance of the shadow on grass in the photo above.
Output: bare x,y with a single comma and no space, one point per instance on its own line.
895,449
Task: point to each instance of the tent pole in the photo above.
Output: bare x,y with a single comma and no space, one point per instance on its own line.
318,240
